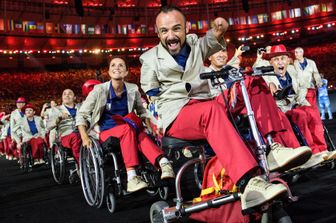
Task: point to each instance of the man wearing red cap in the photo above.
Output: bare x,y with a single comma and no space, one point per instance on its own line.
294,103
272,124
15,128
33,133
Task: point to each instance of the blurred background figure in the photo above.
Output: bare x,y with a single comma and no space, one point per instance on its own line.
323,99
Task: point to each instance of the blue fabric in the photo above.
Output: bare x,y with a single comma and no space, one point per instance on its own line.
182,57
8,132
114,106
72,111
153,92
323,91
286,82
32,126
22,114
151,108
304,64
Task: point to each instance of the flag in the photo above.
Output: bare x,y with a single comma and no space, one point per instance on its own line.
40,27
2,25
49,27
83,28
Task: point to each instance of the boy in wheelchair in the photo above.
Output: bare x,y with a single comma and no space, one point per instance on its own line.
108,111
295,105
63,119
33,133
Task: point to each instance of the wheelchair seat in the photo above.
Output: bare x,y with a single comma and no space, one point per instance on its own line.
175,143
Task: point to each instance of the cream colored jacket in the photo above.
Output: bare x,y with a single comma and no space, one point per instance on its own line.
177,86
63,126
15,127
26,133
310,76
300,92
94,105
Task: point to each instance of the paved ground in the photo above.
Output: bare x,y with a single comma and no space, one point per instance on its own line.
34,198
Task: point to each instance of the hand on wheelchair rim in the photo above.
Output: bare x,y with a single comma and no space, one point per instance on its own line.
87,143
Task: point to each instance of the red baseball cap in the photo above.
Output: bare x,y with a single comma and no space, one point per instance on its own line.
21,100
277,50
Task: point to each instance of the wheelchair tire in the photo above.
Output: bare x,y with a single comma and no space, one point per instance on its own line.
155,212
198,174
163,192
276,215
46,155
58,163
110,202
92,175
27,160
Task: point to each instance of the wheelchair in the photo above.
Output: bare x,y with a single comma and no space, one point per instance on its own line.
26,157
161,211
104,178
62,162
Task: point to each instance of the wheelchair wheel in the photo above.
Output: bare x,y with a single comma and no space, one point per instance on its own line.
111,202
155,212
46,155
26,159
198,174
152,177
92,174
276,215
58,163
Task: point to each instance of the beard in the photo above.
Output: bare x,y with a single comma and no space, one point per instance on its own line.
173,46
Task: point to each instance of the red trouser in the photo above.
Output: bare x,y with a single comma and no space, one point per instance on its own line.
2,147
72,141
269,118
36,145
131,143
208,120
310,125
10,147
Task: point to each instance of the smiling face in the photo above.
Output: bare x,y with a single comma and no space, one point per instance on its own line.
171,28
20,105
219,59
29,112
68,97
280,64
118,69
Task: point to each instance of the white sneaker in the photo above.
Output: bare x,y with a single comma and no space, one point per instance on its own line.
315,160
282,158
167,171
258,191
135,184
331,155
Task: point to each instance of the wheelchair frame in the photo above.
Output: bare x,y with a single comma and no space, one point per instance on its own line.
161,212
59,162
94,180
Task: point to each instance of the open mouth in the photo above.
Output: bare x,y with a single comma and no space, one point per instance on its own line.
173,44
281,69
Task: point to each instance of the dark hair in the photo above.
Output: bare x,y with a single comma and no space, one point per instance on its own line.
119,57
170,8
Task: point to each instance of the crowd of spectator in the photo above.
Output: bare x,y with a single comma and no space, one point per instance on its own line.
40,87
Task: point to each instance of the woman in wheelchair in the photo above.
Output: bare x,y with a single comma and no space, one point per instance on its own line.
33,133
108,111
